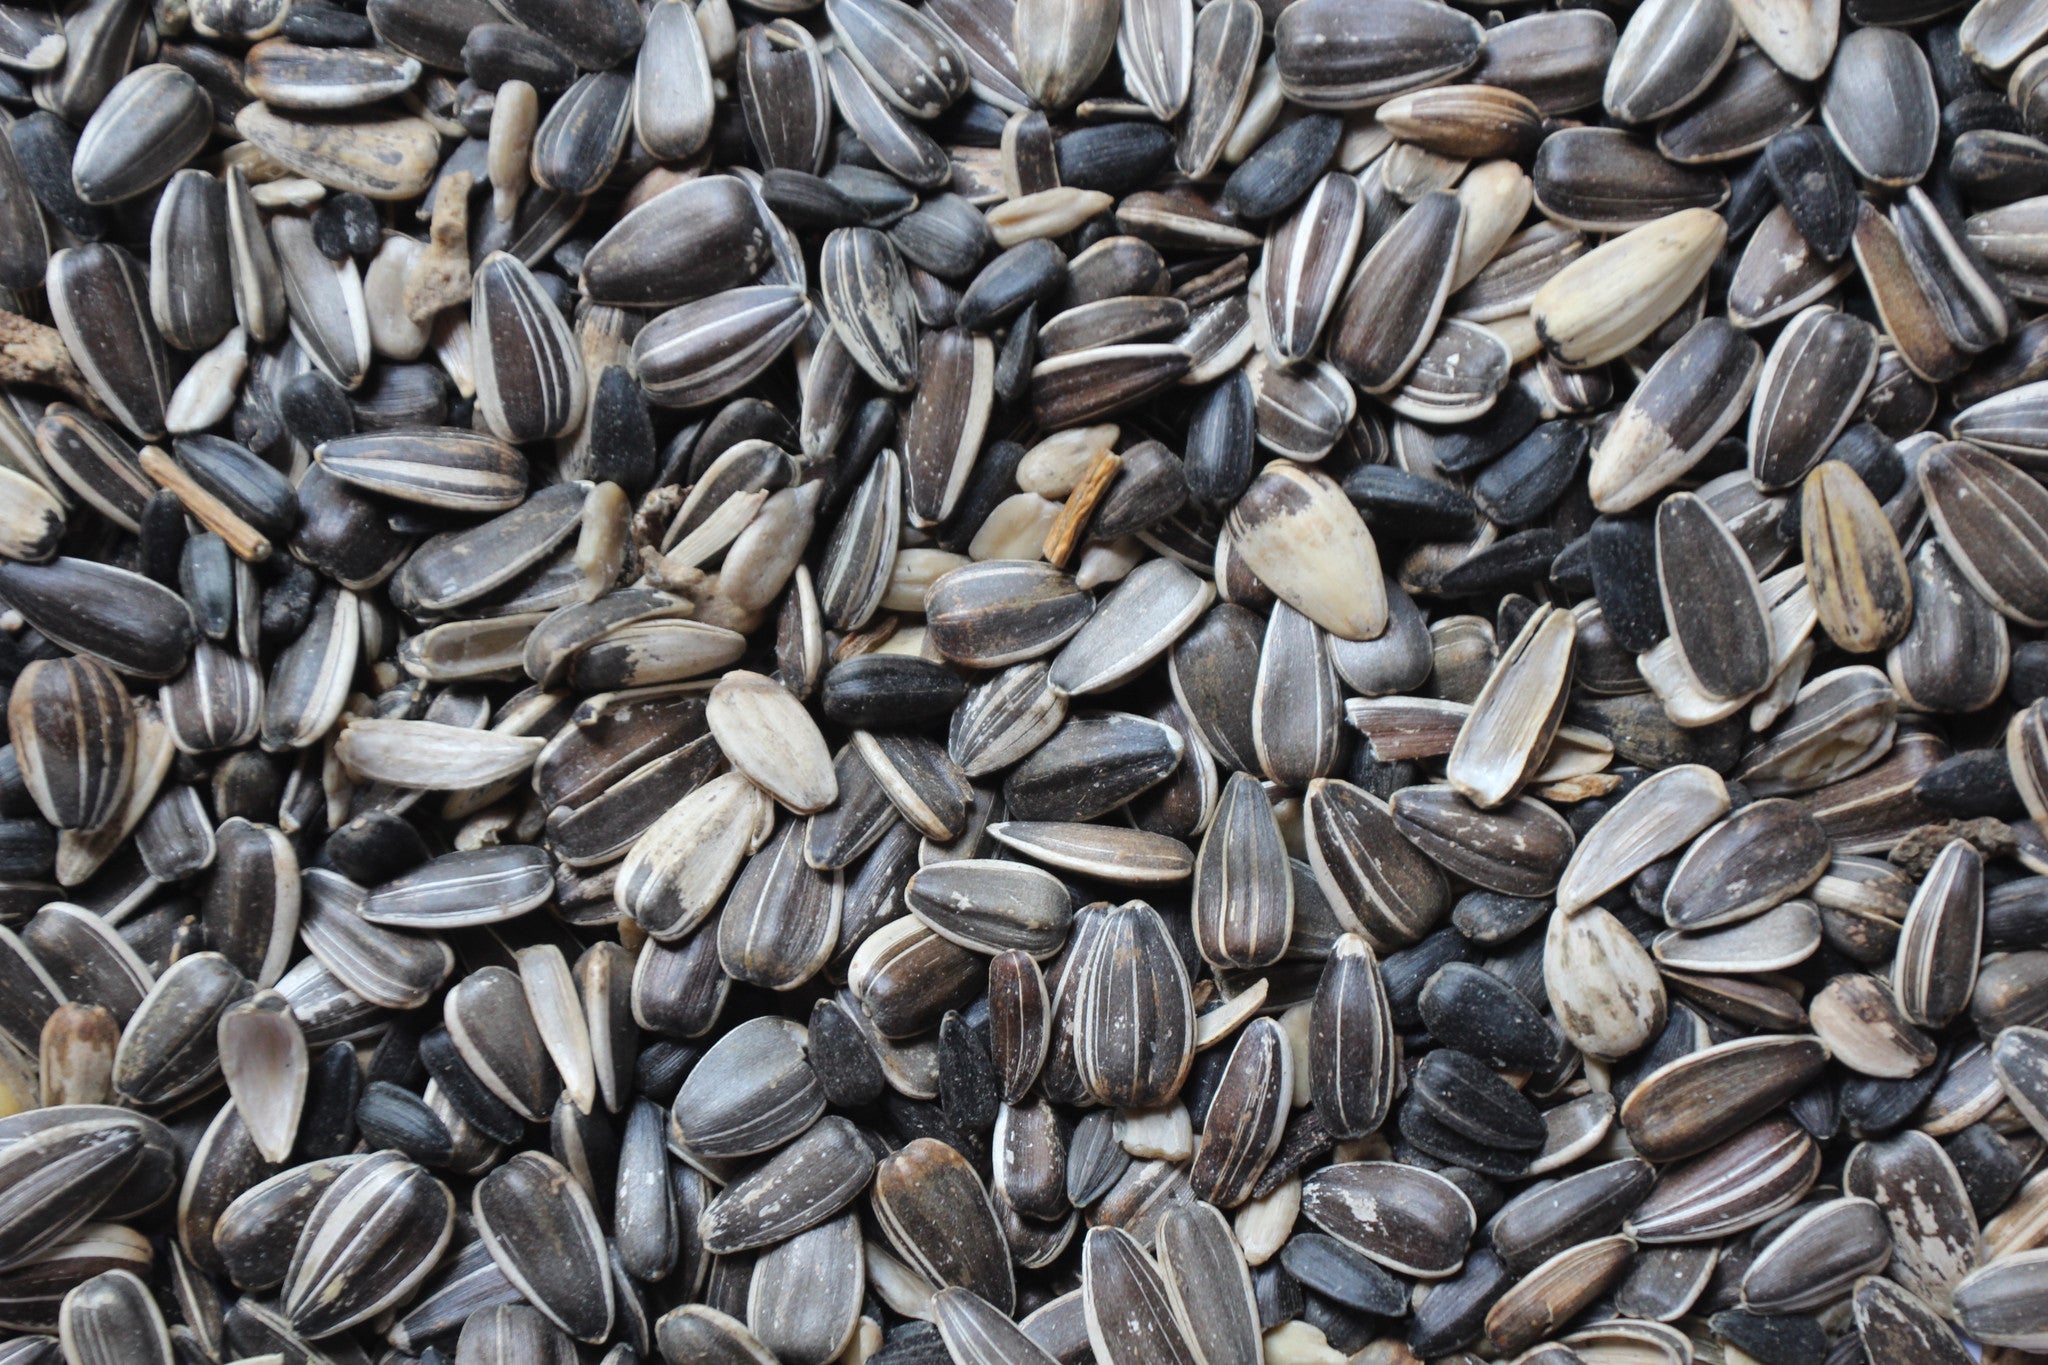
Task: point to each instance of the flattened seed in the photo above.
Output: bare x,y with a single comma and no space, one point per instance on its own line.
1993,522
1397,294
1745,1181
1003,612
932,1207
1692,397
1863,595
1888,139
1135,624
1607,301
1412,1221
700,352
992,906
1669,52
1518,849
692,242
1668,1117
1766,853
1333,55
542,1231
1818,1257
1665,813
1717,610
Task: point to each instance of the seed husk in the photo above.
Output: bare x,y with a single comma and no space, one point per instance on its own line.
1934,1231
543,1233
1607,301
1689,400
1397,295
1337,57
1895,144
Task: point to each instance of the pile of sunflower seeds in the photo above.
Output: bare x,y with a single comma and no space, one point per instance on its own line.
1021,682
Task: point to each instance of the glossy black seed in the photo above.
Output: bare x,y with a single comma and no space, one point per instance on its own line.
1488,917
2027,680
1526,482
327,1125
1407,971
992,479
1116,158
496,53
871,691
1277,1293
1471,1009
1218,456
1974,783
1453,1316
1816,186
288,600
1877,1104
1284,168
1346,1330
661,1068
465,1091
846,1066
1325,1265
968,1089
1030,272
1510,562
809,202
398,1119
1409,506
1471,445
1990,1167
1624,551
374,847
347,225
1979,111
46,146
316,25
1787,1339
251,488
162,537
1016,355
622,446
1467,1096
315,409
2016,914
1421,1131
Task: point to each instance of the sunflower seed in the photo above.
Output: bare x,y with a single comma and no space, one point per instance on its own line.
1667,55
1397,294
1934,1233
543,1233
1892,145
935,1213
1607,301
